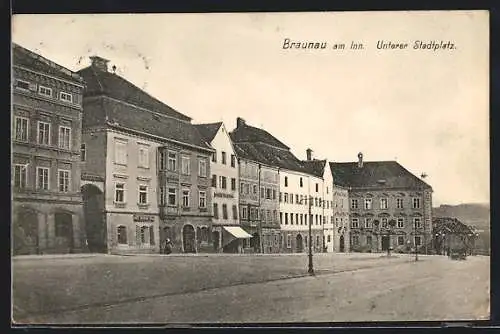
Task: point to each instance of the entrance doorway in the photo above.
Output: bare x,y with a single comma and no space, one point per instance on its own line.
95,224
299,245
385,242
63,232
25,233
255,242
188,239
342,244
215,239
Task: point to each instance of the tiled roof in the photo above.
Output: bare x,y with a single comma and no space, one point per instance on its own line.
376,174
247,133
109,84
315,167
449,224
31,60
209,130
108,111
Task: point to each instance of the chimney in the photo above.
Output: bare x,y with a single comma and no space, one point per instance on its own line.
99,63
309,154
360,160
240,122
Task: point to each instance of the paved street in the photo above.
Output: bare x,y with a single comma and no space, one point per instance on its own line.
197,289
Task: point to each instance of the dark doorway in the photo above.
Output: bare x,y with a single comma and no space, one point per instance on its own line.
299,245
215,239
95,224
63,232
25,233
255,242
342,244
385,242
188,239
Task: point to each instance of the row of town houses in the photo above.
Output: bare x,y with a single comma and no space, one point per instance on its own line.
99,165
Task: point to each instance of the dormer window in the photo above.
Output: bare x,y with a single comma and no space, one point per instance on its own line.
63,96
45,91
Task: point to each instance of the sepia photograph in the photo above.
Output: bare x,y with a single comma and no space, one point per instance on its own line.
250,168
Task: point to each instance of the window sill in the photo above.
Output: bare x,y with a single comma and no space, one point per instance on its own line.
143,167
186,208
120,164
143,206
120,204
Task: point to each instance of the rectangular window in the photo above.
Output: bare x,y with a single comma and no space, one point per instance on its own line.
286,181
281,217
185,198
63,180
329,239
383,203
120,152
369,240
233,160
162,196
288,241
275,216
202,199
417,240
399,203
262,192
317,187
172,161
274,194
224,211
384,222
244,212
143,195
368,203
286,218
83,152
297,199
355,223
22,128
247,189
301,219
263,215
64,137
223,182
401,222
42,176
401,241
214,181
214,156
301,183
20,176
45,91
417,222
254,189
185,165
286,197
216,211
242,186
416,202
23,85
63,96
119,192
172,196
143,157
202,168
291,219
235,212
291,198
233,183
224,158
354,203
43,133
268,193
368,223
281,197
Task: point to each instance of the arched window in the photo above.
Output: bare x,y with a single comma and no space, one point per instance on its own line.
122,235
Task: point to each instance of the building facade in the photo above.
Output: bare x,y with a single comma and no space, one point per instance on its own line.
46,134
341,222
388,205
154,166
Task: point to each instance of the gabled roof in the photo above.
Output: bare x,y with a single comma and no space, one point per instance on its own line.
450,224
376,174
105,83
108,112
31,60
208,130
315,167
246,133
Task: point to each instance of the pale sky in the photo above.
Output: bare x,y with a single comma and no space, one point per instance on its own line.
429,110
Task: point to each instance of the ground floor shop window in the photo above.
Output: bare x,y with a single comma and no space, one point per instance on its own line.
122,235
401,241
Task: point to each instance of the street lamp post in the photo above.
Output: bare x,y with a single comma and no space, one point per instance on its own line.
310,266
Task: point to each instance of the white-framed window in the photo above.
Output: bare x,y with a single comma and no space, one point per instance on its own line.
172,161
244,212
172,196
288,240
384,222
368,223
143,194
202,199
65,137
63,180
83,152
45,91
119,192
42,178
223,182
185,198
416,202
417,222
202,167
401,223
354,203
368,203
121,233
21,128
143,156
43,133
399,203
20,176
63,96
185,165
120,152
162,196
23,85
355,223
383,203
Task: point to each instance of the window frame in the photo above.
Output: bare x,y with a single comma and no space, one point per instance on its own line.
185,165
120,152
143,156
61,143
27,130
174,193
354,223
46,133
171,161
202,167
145,192
200,197
40,88
384,203
63,93
121,236
83,152
123,201
68,180
22,167
186,202
400,220
38,168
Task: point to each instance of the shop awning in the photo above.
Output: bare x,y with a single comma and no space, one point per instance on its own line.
237,232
